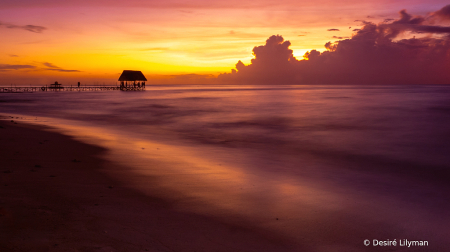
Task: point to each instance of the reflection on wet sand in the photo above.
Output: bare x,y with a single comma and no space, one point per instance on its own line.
323,171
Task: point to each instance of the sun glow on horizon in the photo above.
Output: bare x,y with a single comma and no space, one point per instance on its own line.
165,39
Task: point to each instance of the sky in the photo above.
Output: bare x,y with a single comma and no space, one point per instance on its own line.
206,41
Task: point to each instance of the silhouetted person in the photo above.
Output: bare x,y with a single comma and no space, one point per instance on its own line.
78,84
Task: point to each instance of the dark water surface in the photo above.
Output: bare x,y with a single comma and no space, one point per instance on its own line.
334,164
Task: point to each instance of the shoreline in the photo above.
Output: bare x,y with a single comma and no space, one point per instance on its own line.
62,192
55,197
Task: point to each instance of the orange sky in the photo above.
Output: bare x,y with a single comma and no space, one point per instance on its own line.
93,41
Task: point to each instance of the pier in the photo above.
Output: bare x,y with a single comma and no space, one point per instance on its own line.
68,89
130,80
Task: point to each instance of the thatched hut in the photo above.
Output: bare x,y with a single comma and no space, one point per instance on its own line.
56,86
136,78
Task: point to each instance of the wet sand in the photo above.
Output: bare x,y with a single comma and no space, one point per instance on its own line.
60,194
54,197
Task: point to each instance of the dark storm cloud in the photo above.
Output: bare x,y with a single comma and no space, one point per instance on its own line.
376,54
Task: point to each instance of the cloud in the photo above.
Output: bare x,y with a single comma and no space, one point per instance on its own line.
64,70
191,76
443,13
375,54
179,6
52,67
271,60
13,55
334,29
7,67
31,28
49,65
303,34
182,79
336,37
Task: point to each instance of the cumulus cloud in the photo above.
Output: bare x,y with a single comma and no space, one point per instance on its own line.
52,67
375,54
31,28
334,29
271,60
443,13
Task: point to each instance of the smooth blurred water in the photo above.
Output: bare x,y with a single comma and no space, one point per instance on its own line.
390,143
401,123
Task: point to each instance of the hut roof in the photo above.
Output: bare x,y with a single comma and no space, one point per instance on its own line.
129,75
55,84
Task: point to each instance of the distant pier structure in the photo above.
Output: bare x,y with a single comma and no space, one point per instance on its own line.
132,80
56,86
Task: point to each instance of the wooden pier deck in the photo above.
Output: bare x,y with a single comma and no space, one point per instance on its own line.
70,89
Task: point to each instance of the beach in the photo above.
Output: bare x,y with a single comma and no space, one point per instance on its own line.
212,126
54,198
226,168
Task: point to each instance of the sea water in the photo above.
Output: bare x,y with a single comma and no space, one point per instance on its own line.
334,160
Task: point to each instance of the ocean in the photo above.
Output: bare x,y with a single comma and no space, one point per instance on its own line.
307,161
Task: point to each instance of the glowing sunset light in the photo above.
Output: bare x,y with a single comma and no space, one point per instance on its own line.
94,40
212,125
